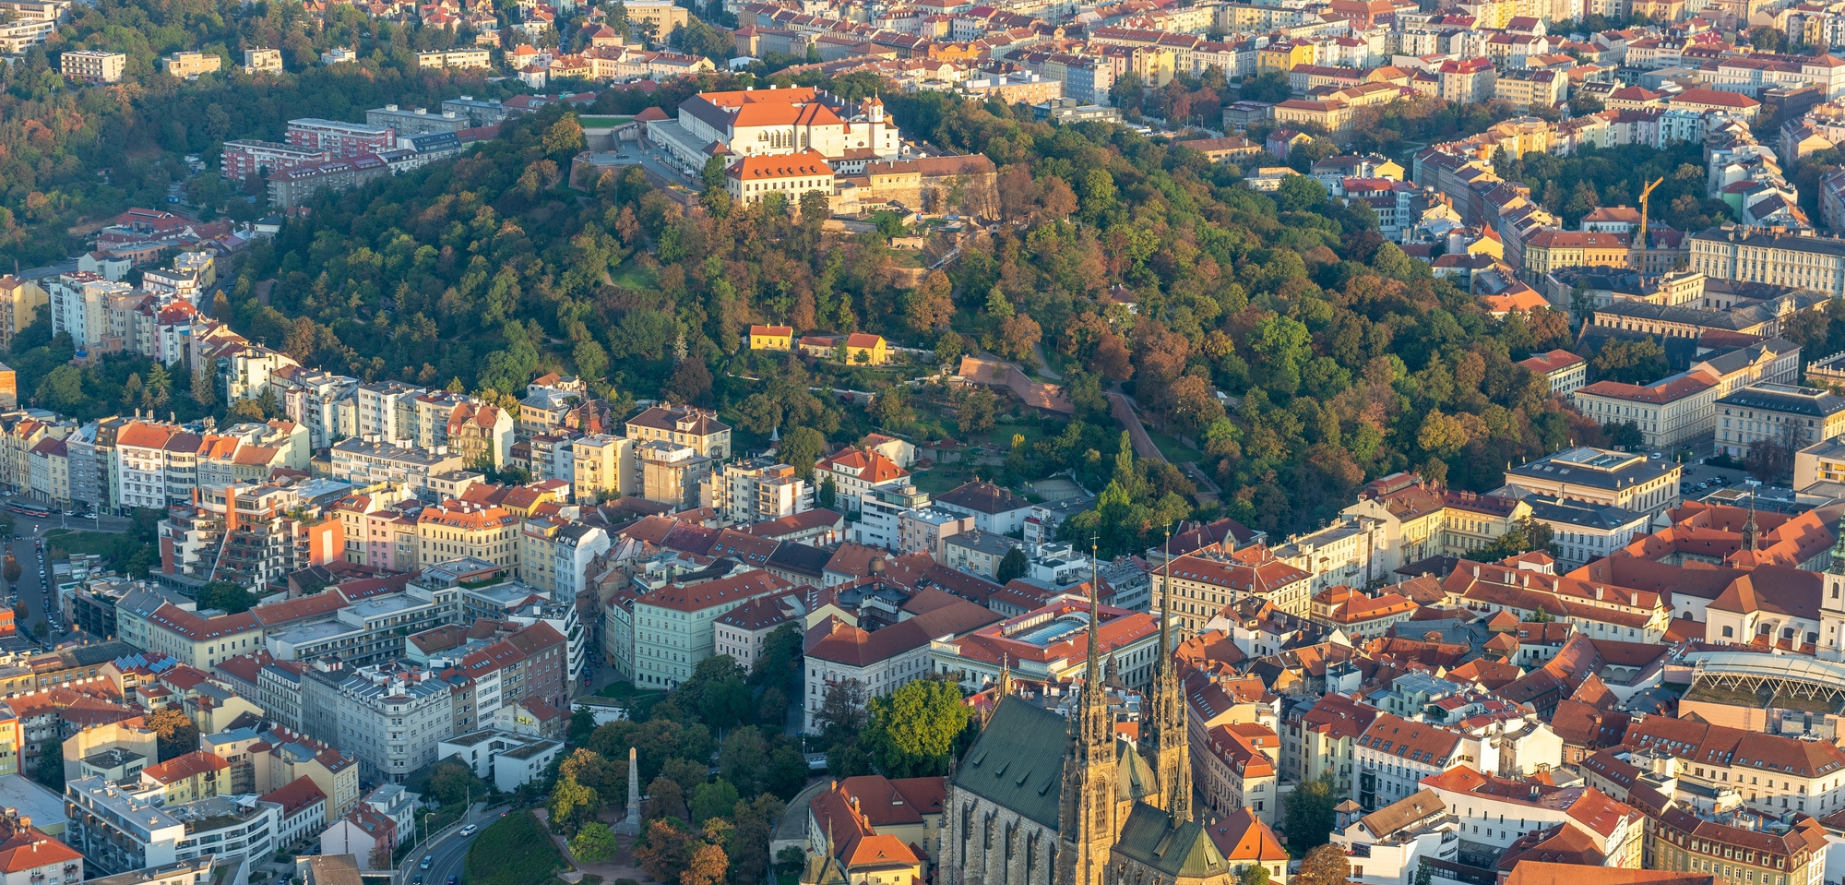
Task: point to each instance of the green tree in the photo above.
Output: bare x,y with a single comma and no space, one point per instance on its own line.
226,596
912,731
1301,193
1308,814
1252,874
712,175
1013,565
594,843
828,497
571,803
801,448
715,799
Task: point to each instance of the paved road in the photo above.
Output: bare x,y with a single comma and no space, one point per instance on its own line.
34,567
33,580
449,855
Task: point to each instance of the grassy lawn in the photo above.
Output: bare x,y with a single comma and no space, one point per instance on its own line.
937,480
1003,432
515,850
633,276
1175,451
627,693
116,548
602,122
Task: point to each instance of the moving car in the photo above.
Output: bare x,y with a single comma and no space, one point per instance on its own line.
469,830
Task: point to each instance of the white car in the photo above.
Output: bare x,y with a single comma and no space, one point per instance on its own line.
469,830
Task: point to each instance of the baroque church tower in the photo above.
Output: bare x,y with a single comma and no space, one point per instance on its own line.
1164,744
1086,823
1832,604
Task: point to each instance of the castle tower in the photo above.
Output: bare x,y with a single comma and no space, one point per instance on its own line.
1086,823
1163,742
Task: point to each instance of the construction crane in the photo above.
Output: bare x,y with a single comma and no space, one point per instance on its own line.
1645,196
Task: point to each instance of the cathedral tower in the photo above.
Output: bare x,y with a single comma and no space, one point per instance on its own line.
1164,741
1086,823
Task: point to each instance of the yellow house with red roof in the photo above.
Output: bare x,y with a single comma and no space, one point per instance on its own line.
771,337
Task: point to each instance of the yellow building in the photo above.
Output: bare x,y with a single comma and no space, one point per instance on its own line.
604,467
1552,249
20,301
189,778
862,349
1283,55
771,337
457,529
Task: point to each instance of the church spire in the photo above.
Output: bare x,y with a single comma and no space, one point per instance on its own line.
1004,687
1749,531
1164,745
1087,820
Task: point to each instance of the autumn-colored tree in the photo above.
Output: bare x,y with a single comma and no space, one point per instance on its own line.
665,798
1324,865
1019,336
666,850
930,305
1111,359
706,867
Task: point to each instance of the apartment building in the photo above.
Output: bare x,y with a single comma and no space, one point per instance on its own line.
1779,414
79,303
388,716
743,631
243,158
20,302
698,429
119,831
890,657
343,140
760,489
1235,771
1773,774
554,553
463,529
1203,584
672,626
1393,755
603,466
189,65
92,65
368,461
854,473
269,60
416,121
147,621
672,473
362,632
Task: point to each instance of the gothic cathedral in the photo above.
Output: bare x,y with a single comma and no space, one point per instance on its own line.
1043,800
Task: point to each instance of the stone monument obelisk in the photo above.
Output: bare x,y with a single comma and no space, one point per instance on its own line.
632,823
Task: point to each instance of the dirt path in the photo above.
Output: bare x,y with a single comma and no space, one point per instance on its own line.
1124,413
